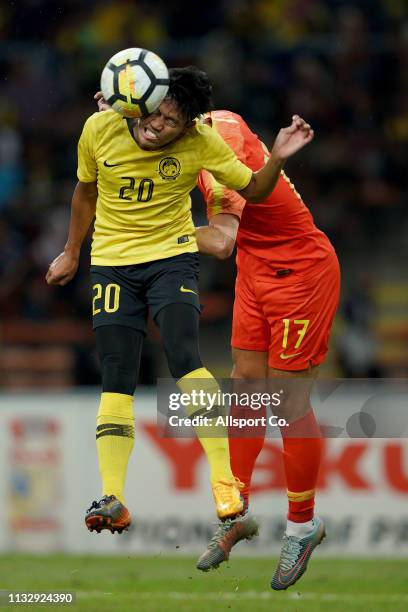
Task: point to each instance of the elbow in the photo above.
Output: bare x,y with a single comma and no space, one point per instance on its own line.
253,193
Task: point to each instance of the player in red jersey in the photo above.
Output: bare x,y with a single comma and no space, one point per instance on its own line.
286,295
277,241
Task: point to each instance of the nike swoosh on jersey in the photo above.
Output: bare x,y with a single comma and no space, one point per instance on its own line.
105,163
283,356
184,290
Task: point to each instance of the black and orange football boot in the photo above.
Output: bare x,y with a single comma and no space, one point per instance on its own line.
108,513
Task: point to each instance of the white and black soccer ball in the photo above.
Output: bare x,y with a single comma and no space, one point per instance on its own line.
135,82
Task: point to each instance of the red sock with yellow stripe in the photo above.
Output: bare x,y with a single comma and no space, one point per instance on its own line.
302,450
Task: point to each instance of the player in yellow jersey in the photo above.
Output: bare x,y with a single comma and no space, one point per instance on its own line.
136,177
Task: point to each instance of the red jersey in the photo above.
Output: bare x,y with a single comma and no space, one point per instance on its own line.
279,230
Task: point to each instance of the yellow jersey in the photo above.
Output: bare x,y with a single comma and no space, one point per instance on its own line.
143,210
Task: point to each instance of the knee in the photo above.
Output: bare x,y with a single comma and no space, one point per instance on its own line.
182,361
249,364
182,356
247,370
118,376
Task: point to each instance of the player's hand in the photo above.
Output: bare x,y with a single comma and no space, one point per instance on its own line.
291,139
62,269
101,102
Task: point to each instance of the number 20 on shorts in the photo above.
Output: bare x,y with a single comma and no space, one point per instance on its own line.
105,298
301,324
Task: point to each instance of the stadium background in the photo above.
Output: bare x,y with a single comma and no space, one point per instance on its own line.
343,66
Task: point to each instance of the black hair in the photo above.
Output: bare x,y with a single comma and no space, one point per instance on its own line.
191,89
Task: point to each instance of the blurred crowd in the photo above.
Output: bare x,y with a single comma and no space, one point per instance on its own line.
342,65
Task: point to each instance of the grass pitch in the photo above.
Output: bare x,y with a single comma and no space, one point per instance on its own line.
172,584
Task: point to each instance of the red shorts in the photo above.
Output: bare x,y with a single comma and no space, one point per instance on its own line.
290,317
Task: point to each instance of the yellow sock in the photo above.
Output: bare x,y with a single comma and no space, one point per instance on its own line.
115,434
216,448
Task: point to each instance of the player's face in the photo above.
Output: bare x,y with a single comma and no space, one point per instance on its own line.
161,127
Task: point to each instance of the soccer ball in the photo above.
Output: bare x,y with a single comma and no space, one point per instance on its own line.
134,82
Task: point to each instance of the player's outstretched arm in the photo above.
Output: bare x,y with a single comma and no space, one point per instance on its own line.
83,207
288,142
218,237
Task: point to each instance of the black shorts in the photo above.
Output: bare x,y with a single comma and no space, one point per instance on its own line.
123,295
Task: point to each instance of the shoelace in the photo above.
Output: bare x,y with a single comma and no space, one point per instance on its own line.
239,484
226,491
95,505
102,502
290,552
223,528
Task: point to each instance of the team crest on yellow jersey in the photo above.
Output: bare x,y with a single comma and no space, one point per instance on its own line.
169,168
